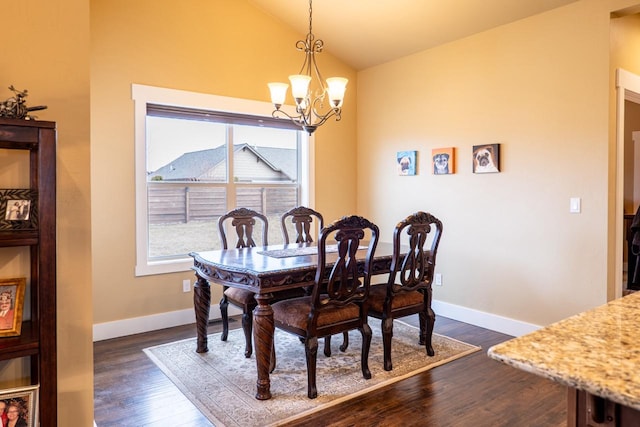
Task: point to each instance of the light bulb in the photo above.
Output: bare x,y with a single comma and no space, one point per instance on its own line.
336,87
278,93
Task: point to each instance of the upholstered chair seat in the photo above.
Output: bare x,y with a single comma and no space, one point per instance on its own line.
295,313
240,296
378,293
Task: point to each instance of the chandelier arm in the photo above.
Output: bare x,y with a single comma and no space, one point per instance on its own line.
317,110
321,118
303,46
317,48
300,120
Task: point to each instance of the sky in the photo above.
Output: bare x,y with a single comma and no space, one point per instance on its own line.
168,139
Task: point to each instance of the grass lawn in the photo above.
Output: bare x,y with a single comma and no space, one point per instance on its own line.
198,236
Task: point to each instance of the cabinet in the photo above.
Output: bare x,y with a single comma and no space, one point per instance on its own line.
588,410
37,340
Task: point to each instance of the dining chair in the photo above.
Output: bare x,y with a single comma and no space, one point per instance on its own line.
408,289
244,221
338,300
300,220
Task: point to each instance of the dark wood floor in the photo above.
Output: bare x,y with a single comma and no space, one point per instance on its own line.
472,391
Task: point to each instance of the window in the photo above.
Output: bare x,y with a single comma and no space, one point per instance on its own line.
198,156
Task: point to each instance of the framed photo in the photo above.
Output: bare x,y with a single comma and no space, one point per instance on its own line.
20,404
11,306
406,162
18,210
486,158
443,161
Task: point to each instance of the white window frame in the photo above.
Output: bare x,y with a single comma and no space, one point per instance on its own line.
143,95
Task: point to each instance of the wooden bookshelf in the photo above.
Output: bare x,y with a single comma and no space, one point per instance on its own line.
37,339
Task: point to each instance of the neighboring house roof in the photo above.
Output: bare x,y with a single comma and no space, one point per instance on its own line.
194,165
283,159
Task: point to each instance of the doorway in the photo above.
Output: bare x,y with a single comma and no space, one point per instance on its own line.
627,171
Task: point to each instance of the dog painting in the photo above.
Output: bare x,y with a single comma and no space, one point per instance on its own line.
486,158
443,161
406,162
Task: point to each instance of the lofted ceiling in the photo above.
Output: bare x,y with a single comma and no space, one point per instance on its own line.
365,33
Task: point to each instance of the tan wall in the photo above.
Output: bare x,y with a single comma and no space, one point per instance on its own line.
221,47
540,88
46,50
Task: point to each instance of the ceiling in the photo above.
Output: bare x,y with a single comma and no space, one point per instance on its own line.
365,33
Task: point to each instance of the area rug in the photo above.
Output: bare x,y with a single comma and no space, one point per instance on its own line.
222,382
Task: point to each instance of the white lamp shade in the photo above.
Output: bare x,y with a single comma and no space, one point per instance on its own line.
336,87
278,92
299,85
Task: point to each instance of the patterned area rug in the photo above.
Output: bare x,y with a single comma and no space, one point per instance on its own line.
222,382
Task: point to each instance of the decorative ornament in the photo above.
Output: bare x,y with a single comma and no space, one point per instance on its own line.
16,106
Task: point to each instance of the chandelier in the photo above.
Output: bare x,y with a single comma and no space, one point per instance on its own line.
313,107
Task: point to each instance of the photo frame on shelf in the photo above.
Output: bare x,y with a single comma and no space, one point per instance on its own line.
443,161
18,209
486,158
22,402
11,306
406,161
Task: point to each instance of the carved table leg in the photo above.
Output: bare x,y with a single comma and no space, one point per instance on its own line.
263,329
202,305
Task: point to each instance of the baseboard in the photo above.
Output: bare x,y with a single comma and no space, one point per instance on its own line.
137,325
483,319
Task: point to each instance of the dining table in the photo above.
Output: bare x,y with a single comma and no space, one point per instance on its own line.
264,270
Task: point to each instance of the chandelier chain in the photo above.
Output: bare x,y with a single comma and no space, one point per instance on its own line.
310,15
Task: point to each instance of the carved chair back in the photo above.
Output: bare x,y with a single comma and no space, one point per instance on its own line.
301,218
341,282
415,269
244,221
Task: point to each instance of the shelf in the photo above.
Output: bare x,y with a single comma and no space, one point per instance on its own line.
24,345
18,238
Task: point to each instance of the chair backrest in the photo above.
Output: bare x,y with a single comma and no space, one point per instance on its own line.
301,217
414,270
342,282
243,220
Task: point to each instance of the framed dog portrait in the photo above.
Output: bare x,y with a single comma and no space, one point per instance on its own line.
443,161
11,306
486,158
406,162
21,405
18,210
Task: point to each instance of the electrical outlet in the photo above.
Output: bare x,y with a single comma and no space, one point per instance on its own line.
186,285
438,279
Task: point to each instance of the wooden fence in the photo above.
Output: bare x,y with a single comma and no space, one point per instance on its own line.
173,204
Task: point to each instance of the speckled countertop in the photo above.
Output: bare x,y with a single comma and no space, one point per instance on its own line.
597,351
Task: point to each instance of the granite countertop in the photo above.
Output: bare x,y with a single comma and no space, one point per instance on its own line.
597,351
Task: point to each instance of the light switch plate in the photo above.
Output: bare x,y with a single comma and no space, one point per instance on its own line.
574,205
438,279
